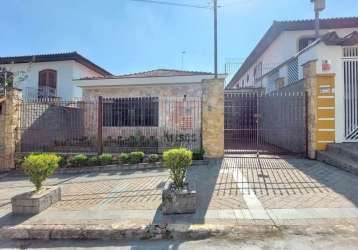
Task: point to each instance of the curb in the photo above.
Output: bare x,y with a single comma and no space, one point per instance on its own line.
164,231
134,232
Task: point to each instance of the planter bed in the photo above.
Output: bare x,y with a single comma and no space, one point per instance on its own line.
119,167
183,201
35,202
113,167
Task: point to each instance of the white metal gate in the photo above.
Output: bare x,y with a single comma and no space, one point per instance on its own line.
350,68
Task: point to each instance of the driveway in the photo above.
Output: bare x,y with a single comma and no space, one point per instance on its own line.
236,190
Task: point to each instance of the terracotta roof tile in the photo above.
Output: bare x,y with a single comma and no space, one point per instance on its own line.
154,73
55,57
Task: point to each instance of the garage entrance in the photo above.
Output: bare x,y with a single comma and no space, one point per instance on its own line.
257,123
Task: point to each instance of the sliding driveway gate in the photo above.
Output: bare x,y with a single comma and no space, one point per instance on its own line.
272,123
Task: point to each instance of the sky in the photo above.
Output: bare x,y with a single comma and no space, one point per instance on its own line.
126,36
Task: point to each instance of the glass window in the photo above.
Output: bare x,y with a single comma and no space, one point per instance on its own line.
131,112
304,42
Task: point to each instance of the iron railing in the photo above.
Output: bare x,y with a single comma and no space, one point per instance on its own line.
149,124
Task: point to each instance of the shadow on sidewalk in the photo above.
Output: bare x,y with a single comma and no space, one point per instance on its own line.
10,219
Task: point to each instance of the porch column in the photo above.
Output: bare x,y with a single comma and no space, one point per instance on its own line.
213,118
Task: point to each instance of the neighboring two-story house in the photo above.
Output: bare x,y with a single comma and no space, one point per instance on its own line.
283,40
50,76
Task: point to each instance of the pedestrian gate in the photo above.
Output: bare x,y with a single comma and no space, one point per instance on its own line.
260,123
350,68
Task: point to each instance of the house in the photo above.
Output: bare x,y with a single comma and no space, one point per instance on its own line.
50,75
336,70
283,40
163,107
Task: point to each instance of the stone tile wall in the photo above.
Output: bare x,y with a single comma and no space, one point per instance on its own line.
9,125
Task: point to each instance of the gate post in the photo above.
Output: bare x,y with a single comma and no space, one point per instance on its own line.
213,118
309,75
9,128
99,126
320,108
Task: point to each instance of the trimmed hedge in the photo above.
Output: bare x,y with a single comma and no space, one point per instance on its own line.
136,157
105,159
153,158
78,160
39,167
123,158
178,161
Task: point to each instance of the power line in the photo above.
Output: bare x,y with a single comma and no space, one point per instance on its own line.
174,4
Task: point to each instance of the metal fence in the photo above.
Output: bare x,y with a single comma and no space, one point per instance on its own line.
272,123
350,73
149,124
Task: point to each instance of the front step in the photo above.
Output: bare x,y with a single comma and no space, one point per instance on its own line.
349,150
339,160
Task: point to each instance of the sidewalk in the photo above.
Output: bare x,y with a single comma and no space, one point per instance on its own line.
237,196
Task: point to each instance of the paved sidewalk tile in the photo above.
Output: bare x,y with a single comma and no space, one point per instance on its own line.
238,190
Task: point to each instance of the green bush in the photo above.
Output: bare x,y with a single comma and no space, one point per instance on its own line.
18,161
39,167
62,162
198,154
153,158
79,160
123,158
105,159
178,161
136,157
93,161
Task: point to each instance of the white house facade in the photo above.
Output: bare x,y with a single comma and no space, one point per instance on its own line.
50,76
334,56
282,41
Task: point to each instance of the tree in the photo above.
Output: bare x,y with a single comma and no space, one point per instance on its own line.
6,78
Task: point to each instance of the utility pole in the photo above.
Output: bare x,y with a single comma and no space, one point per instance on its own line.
216,38
319,5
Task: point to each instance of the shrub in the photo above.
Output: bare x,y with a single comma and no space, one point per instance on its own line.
79,160
178,161
123,158
136,157
153,158
105,159
198,154
18,161
39,167
93,161
62,162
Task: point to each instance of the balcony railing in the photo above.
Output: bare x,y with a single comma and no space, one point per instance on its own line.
41,92
47,92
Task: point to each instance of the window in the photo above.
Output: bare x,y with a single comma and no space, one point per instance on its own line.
47,83
304,42
131,112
